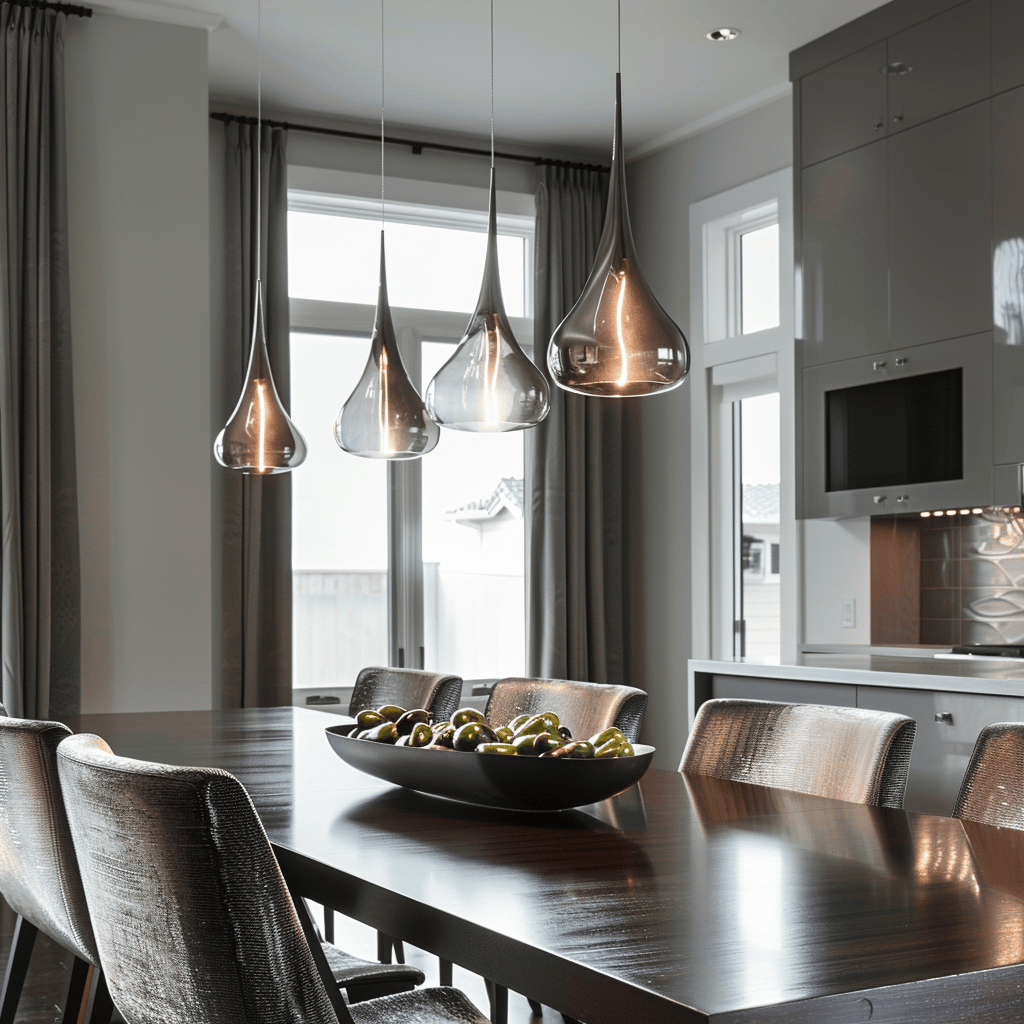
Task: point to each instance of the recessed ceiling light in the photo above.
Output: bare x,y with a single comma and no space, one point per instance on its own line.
723,35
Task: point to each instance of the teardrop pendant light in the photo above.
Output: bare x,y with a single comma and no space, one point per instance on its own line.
259,438
617,341
489,384
384,417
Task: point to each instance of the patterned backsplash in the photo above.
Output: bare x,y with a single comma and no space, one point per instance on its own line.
972,580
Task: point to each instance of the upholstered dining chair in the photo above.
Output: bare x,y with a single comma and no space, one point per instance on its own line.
407,688
38,870
586,708
992,791
843,753
193,920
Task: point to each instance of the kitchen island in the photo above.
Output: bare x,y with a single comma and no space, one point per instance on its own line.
951,699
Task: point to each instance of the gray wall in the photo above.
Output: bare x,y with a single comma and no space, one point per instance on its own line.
137,98
661,189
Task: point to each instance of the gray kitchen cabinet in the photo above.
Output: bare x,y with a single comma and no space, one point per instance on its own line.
1008,274
1007,44
939,65
844,232
947,727
786,691
940,228
843,106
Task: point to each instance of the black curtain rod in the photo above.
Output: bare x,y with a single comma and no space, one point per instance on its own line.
42,5
416,147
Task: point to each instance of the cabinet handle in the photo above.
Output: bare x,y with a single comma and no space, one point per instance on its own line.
897,119
878,125
902,361
879,364
902,498
879,498
944,717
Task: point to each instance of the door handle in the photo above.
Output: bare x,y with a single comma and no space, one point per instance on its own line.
944,717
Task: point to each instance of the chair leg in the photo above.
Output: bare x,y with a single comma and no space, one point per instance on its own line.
399,951
77,996
383,948
444,971
17,966
498,996
535,1008
102,1008
328,924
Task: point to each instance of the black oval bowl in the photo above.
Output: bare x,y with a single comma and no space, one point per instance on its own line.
494,780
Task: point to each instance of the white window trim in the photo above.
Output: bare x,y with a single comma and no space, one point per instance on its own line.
727,366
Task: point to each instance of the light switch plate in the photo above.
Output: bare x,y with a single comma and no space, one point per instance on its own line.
849,613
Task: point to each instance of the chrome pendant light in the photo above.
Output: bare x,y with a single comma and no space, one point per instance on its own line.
259,437
384,417
489,384
617,341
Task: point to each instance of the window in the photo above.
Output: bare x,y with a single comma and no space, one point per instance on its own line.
419,563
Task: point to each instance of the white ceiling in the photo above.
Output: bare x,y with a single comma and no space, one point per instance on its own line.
555,61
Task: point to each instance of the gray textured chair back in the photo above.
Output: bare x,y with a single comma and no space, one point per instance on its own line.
408,688
843,753
192,917
993,788
38,870
586,708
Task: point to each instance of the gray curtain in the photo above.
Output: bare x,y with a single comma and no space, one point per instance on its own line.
580,468
256,561
40,592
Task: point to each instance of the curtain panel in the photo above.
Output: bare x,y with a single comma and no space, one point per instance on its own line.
256,560
579,463
40,590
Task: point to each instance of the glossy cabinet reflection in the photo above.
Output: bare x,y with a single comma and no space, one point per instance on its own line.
939,65
845,243
843,105
1007,44
1008,273
940,228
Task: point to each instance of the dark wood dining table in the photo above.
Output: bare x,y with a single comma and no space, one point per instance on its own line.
684,899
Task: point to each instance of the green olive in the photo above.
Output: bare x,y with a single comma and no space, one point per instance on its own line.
575,751
545,741
368,718
601,738
443,735
411,718
504,734
392,712
471,735
610,749
626,750
386,733
527,745
420,735
534,726
518,721
465,715
495,748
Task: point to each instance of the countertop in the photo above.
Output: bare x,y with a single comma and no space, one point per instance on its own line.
1000,677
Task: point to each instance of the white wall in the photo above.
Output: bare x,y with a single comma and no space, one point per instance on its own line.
138,173
837,566
661,189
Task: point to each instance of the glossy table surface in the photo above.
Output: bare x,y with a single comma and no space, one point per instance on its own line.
685,899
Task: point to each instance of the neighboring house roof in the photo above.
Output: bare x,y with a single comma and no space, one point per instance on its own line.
507,496
760,503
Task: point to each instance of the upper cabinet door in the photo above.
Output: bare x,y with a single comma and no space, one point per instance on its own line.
940,65
1007,44
843,105
940,228
844,256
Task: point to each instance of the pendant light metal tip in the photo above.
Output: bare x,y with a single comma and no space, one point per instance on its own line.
489,385
617,341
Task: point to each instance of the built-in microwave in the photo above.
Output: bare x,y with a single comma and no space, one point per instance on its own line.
903,431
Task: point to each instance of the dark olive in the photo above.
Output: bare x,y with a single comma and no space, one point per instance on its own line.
369,718
443,734
471,735
466,715
409,719
611,733
526,745
392,712
574,751
504,733
545,742
386,733
420,735
518,721
565,733
495,748
610,749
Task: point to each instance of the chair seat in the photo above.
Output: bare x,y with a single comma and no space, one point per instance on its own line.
352,970
424,1006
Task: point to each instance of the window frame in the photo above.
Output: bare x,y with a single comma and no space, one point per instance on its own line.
413,326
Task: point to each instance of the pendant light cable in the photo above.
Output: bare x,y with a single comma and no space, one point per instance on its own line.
619,8
382,115
492,85
259,138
